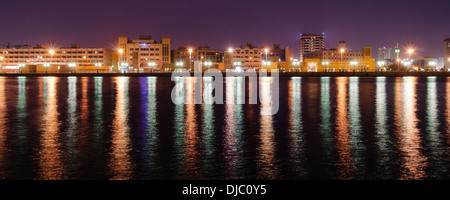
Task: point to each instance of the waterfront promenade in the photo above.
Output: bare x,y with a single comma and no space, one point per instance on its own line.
281,74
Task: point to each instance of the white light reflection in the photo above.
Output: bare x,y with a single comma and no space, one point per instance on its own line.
355,124
121,164
267,165
383,140
411,159
297,146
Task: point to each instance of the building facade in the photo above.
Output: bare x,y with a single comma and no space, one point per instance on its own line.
143,54
44,59
339,60
203,53
311,43
386,53
447,52
287,54
244,57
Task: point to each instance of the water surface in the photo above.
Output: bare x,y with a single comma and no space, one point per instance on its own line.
129,128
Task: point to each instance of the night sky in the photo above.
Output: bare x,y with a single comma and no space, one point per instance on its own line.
221,24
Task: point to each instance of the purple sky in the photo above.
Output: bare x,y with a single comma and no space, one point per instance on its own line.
221,24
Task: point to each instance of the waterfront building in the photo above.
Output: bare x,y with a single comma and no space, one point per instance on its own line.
340,54
287,54
311,43
143,54
447,52
195,65
244,57
338,60
41,59
202,53
386,53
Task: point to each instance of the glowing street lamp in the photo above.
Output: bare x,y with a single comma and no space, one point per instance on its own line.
98,65
266,62
21,66
151,64
237,65
295,63
266,51
46,65
190,57
51,52
353,63
410,51
119,61
208,63
72,65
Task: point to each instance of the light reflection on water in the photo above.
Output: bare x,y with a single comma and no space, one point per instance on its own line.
296,136
3,130
129,128
412,159
120,160
343,144
50,155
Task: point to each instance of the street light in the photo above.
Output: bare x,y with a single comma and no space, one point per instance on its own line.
237,65
410,51
151,64
266,63
98,65
267,51
342,51
179,64
51,52
190,55
207,63
295,63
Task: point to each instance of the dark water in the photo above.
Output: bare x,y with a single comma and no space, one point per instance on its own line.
129,128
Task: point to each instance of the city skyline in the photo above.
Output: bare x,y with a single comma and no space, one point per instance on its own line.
232,23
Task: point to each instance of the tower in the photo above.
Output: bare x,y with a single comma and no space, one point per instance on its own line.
311,43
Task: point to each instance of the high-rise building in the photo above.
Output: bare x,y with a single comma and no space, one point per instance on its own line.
447,52
143,54
386,53
311,43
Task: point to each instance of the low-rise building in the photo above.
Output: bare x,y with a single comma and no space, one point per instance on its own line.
244,57
53,60
143,54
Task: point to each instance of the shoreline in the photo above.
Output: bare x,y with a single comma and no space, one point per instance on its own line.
282,74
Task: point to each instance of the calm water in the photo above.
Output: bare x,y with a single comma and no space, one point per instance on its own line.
129,128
